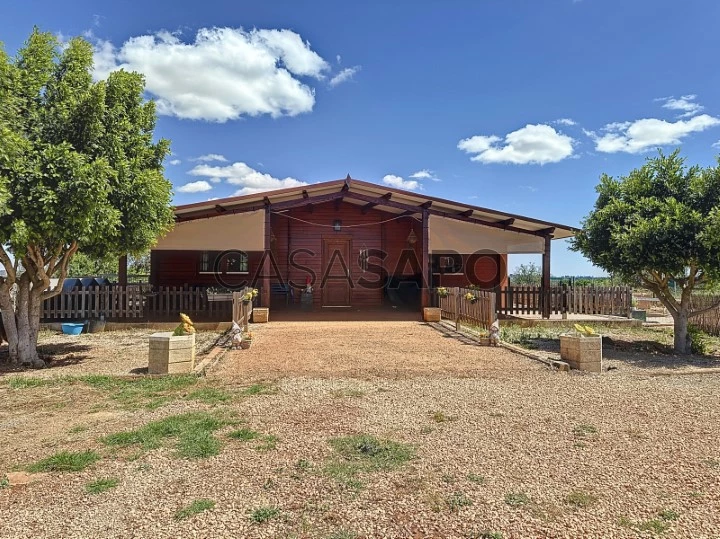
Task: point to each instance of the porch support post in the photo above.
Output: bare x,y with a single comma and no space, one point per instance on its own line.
545,285
122,270
265,287
425,258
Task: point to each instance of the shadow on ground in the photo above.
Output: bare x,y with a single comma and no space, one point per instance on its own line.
54,355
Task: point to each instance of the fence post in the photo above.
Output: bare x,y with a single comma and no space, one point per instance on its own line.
457,309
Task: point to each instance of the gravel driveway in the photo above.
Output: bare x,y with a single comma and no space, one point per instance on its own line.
502,447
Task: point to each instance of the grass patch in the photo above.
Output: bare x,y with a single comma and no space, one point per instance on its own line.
584,430
65,461
4,482
210,395
28,382
656,525
244,435
267,443
579,498
264,514
516,499
440,417
371,453
668,515
78,428
140,391
260,389
101,485
364,453
196,507
457,501
475,478
192,431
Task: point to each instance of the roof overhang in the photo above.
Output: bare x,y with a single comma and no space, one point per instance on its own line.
369,196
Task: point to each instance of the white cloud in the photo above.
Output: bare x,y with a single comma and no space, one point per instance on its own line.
210,157
345,75
174,162
565,121
532,144
240,174
686,104
199,186
400,183
226,73
648,133
424,174
716,145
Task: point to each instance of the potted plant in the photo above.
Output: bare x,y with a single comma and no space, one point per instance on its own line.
173,351
246,340
250,295
582,349
472,298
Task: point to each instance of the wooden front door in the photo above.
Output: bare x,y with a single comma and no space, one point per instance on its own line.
336,272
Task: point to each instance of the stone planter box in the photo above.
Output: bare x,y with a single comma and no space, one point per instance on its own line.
260,315
582,353
171,354
431,314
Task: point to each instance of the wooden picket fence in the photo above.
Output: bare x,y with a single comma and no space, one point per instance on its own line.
709,321
478,312
138,303
596,300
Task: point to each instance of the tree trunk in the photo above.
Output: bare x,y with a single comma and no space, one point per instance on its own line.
682,341
22,323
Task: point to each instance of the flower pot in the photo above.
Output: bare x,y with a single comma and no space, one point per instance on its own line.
260,315
245,344
583,353
171,354
431,314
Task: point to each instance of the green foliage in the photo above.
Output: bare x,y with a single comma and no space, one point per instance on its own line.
4,482
700,342
658,225
371,453
260,389
457,501
140,390
65,461
78,156
26,382
193,432
244,434
579,498
101,485
526,275
198,506
516,499
263,514
210,395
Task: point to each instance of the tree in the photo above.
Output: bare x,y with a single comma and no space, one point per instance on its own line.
527,275
83,265
79,170
657,225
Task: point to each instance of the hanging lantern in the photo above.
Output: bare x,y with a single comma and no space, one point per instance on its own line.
412,238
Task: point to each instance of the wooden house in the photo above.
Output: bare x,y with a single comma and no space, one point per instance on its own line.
354,244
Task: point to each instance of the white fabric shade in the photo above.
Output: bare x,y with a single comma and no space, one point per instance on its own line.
240,231
466,238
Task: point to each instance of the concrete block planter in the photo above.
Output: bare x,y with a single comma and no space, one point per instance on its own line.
171,354
582,353
261,315
431,314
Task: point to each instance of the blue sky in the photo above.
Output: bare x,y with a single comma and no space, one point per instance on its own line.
514,105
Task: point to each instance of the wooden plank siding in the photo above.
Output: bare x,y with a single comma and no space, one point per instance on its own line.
296,245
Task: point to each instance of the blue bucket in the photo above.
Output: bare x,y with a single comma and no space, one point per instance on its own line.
72,329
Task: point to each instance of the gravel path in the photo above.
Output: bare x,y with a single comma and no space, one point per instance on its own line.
487,427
